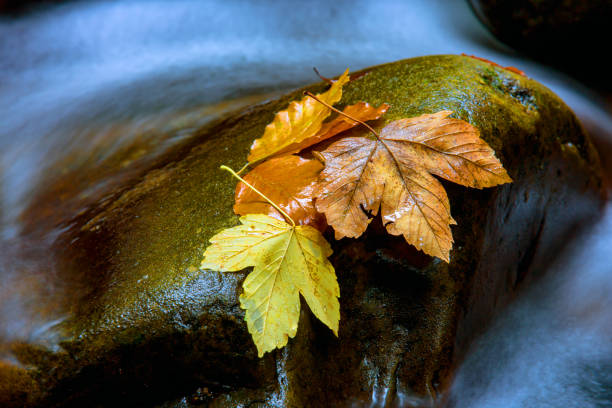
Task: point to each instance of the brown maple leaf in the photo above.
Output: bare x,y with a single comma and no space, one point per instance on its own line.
288,181
392,173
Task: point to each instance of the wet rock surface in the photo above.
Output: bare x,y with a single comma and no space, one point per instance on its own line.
569,35
141,325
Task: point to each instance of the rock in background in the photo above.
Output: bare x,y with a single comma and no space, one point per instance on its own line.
572,35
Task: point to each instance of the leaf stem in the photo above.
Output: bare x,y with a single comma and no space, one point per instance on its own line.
329,81
343,114
224,167
243,168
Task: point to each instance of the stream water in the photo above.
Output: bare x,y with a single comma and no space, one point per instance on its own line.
70,71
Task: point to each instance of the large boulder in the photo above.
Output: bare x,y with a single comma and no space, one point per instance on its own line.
144,326
569,34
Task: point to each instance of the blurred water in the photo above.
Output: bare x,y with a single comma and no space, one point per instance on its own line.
553,347
70,70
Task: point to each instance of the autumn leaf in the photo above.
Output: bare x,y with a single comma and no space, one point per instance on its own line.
288,181
288,260
301,120
391,173
361,111
449,148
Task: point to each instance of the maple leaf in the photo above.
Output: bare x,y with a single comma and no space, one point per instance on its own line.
362,111
392,173
288,181
299,121
288,260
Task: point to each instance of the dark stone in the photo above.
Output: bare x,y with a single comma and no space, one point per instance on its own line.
145,327
571,35
21,7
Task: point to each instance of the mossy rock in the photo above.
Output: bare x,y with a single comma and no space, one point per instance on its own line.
146,326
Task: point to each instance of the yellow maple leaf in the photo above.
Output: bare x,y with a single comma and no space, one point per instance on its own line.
288,260
301,120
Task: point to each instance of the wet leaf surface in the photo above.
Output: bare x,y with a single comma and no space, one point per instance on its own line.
288,260
301,120
391,173
288,181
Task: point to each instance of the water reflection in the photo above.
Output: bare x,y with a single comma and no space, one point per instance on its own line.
69,73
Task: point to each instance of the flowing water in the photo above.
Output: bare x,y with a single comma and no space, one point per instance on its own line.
89,74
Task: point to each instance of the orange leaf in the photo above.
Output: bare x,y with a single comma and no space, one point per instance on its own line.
362,111
299,121
288,181
392,173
